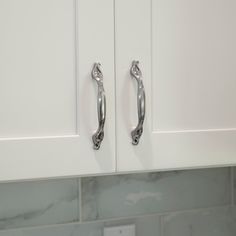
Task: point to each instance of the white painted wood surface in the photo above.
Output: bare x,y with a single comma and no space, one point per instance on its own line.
186,50
48,101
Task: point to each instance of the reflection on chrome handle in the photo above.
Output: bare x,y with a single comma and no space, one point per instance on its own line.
137,74
101,106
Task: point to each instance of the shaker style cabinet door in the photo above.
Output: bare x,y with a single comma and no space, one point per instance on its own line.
186,51
48,99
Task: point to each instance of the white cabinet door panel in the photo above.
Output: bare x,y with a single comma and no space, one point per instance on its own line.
37,68
186,50
48,101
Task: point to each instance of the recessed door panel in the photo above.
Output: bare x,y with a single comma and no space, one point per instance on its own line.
37,68
194,66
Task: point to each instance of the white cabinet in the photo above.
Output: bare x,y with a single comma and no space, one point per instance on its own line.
48,101
186,50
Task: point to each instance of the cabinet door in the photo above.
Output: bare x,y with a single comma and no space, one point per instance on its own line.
48,100
186,50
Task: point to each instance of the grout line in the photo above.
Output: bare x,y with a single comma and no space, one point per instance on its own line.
162,225
232,185
158,214
163,214
80,200
78,208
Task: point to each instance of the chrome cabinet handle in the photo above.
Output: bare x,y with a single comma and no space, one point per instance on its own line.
101,106
136,73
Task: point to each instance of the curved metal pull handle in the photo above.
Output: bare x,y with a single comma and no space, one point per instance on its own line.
136,73
101,106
